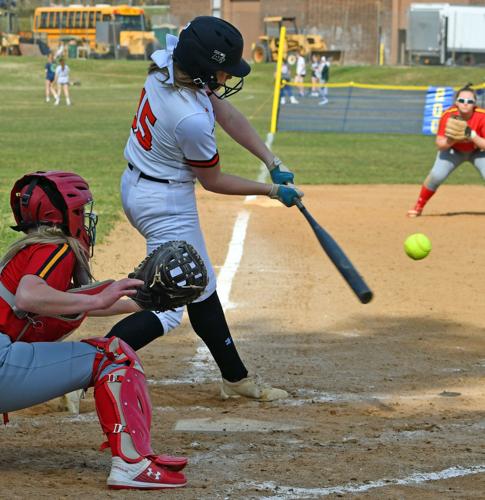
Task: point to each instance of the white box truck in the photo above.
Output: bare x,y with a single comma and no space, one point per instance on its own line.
441,33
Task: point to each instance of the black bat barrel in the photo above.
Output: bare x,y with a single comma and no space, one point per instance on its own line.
338,257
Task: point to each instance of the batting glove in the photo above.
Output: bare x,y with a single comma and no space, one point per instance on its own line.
288,195
280,173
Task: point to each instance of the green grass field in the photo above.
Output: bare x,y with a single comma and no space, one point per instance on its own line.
89,137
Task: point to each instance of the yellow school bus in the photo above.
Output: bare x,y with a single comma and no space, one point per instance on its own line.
122,29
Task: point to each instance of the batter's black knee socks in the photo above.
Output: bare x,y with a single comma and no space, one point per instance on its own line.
209,323
138,329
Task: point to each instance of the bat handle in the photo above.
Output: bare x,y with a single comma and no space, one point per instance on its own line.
299,204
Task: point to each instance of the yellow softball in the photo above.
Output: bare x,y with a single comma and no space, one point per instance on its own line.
417,246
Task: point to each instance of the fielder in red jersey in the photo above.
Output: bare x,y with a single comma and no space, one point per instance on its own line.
46,291
476,122
452,153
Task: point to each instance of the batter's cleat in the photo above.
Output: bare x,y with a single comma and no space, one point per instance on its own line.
415,212
144,475
253,388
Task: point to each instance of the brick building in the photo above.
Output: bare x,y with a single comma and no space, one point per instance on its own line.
355,26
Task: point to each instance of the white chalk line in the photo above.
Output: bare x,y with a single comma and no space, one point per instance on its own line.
233,259
226,276
282,492
236,245
208,373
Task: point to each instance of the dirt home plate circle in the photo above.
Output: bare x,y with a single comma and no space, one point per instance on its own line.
417,246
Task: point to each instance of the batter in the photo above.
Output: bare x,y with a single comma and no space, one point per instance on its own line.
171,145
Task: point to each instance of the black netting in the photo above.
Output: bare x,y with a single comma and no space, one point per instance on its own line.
351,109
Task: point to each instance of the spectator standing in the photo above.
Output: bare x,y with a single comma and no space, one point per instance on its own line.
324,78
316,73
300,73
62,80
50,75
286,90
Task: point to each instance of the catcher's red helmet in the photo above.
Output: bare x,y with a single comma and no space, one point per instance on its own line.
54,198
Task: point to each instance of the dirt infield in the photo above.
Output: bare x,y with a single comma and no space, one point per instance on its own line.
386,399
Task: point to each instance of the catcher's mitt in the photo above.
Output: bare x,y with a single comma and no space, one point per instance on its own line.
174,275
457,129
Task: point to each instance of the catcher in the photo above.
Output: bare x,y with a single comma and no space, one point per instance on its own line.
460,138
46,291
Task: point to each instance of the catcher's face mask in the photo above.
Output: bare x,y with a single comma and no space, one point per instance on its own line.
90,222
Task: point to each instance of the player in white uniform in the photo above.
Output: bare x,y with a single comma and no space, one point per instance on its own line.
324,76
172,144
300,73
62,80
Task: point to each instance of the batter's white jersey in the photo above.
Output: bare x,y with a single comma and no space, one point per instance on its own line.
173,130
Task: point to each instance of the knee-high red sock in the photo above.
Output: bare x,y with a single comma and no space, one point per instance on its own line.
424,196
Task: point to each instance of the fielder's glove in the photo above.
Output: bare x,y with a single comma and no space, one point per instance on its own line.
174,275
457,129
280,173
288,195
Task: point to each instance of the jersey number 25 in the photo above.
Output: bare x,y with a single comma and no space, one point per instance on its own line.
144,116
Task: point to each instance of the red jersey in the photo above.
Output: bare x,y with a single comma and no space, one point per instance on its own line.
476,123
55,265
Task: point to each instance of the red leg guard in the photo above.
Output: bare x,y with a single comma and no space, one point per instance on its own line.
123,403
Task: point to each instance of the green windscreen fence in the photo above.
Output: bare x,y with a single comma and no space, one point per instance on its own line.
360,108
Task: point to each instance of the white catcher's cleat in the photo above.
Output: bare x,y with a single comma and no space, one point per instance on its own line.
72,401
253,388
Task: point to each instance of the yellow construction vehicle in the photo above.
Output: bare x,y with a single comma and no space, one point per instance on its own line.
266,48
9,38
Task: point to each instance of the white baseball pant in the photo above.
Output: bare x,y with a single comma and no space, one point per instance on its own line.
163,212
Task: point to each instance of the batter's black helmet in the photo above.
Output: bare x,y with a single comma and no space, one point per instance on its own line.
207,45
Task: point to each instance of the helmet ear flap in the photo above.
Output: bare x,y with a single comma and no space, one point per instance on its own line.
35,201
190,57
52,198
